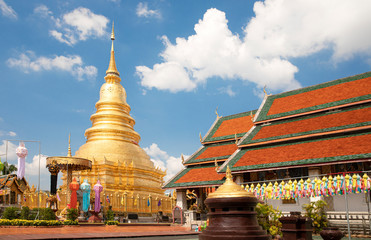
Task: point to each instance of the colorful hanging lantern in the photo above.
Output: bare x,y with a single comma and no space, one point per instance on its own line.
98,188
74,186
22,153
85,187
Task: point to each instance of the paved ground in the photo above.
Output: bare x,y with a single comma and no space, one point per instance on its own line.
97,232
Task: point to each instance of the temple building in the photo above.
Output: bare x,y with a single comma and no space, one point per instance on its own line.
320,130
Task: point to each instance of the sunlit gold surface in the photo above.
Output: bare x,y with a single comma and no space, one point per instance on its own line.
127,174
230,189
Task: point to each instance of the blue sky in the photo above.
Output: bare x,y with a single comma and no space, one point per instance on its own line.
178,60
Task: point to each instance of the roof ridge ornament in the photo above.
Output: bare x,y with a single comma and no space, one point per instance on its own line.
216,112
265,92
235,139
200,138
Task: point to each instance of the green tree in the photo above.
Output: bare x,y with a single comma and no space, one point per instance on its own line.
268,218
316,212
8,169
10,213
72,214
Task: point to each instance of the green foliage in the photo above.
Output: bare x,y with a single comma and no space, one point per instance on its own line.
72,214
10,213
22,222
25,213
316,212
8,169
110,215
109,222
44,214
70,222
268,218
47,214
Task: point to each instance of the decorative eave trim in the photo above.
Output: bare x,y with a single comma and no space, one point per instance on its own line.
188,159
296,162
204,148
176,175
207,162
211,128
314,111
302,165
260,108
313,135
220,169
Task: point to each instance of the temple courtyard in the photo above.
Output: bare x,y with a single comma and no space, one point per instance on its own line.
99,232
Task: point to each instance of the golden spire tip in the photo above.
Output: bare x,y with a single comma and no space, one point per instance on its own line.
69,146
113,32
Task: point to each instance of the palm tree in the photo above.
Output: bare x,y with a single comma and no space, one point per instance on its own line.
8,169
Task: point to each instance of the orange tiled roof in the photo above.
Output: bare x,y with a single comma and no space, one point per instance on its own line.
234,126
315,123
308,150
200,175
321,96
228,127
218,151
318,98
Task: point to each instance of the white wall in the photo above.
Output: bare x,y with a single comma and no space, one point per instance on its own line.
356,202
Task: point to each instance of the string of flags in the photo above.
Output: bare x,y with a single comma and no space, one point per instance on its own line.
337,185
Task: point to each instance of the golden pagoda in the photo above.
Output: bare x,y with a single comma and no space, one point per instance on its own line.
130,181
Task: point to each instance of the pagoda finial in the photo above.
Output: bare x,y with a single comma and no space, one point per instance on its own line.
228,174
112,64
69,146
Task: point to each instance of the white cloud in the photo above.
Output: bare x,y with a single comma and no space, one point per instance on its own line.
161,159
77,25
11,151
43,11
227,90
281,30
12,134
143,11
32,168
7,11
73,64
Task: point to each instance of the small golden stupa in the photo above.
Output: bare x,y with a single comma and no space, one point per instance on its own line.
230,189
127,174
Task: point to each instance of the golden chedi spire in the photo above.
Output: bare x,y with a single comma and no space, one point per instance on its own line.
112,145
112,63
112,125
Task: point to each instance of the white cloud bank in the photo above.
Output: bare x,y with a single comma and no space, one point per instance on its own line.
161,159
77,25
73,64
7,10
280,30
11,151
32,168
143,11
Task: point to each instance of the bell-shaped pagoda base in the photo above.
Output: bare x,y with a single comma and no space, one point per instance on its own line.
233,218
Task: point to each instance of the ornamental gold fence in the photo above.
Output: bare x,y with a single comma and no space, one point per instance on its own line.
123,202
